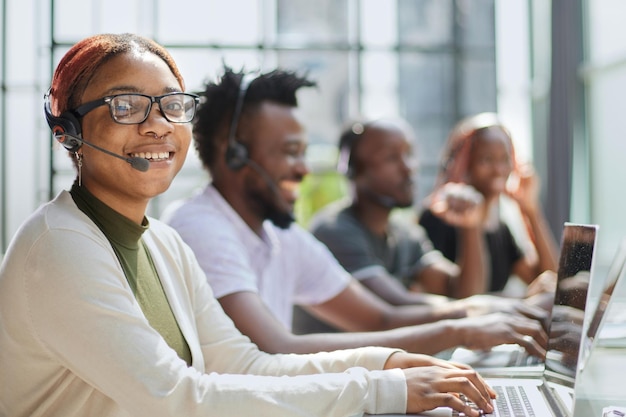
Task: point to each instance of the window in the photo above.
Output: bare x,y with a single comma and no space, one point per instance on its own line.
429,61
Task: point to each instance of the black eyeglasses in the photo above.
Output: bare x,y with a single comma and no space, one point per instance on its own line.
134,108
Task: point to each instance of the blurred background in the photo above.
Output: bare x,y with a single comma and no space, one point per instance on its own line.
555,71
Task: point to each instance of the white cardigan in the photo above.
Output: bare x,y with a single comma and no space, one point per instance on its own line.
74,341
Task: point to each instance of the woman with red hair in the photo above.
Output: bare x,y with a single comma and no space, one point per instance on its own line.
479,159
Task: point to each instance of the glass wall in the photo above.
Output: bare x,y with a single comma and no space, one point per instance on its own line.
429,61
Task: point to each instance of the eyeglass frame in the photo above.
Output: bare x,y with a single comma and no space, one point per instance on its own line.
85,108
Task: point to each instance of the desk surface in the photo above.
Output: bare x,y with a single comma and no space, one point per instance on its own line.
601,383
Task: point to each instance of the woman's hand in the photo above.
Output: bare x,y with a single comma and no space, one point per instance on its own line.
430,387
433,382
457,204
526,191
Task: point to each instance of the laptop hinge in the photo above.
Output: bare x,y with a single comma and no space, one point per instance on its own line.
553,400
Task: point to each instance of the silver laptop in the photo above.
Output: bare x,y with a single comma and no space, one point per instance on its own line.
577,246
552,392
614,333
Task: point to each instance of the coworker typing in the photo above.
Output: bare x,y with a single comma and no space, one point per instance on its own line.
260,264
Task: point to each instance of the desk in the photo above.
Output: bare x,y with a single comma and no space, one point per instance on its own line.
601,383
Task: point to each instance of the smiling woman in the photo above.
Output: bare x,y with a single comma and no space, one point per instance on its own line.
104,311
77,114
479,154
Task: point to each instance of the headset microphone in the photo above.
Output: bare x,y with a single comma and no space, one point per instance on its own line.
382,199
140,164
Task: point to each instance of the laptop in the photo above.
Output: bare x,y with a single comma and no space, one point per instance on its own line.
552,392
578,243
613,333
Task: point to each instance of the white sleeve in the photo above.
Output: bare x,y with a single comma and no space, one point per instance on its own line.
321,277
85,315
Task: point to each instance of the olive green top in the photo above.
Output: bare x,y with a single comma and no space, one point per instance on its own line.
125,238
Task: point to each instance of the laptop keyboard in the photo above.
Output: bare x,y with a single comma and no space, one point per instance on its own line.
510,402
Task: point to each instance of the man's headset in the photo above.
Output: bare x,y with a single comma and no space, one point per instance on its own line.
236,152
347,142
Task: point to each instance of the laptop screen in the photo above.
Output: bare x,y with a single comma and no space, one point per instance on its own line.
566,327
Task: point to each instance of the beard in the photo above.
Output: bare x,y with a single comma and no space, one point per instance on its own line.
280,218
272,207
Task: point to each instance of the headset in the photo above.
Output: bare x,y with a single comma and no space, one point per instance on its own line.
347,141
236,152
65,128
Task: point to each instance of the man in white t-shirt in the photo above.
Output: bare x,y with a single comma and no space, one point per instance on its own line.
260,264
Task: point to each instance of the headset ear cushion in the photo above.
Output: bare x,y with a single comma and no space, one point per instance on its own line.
69,124
65,123
236,155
